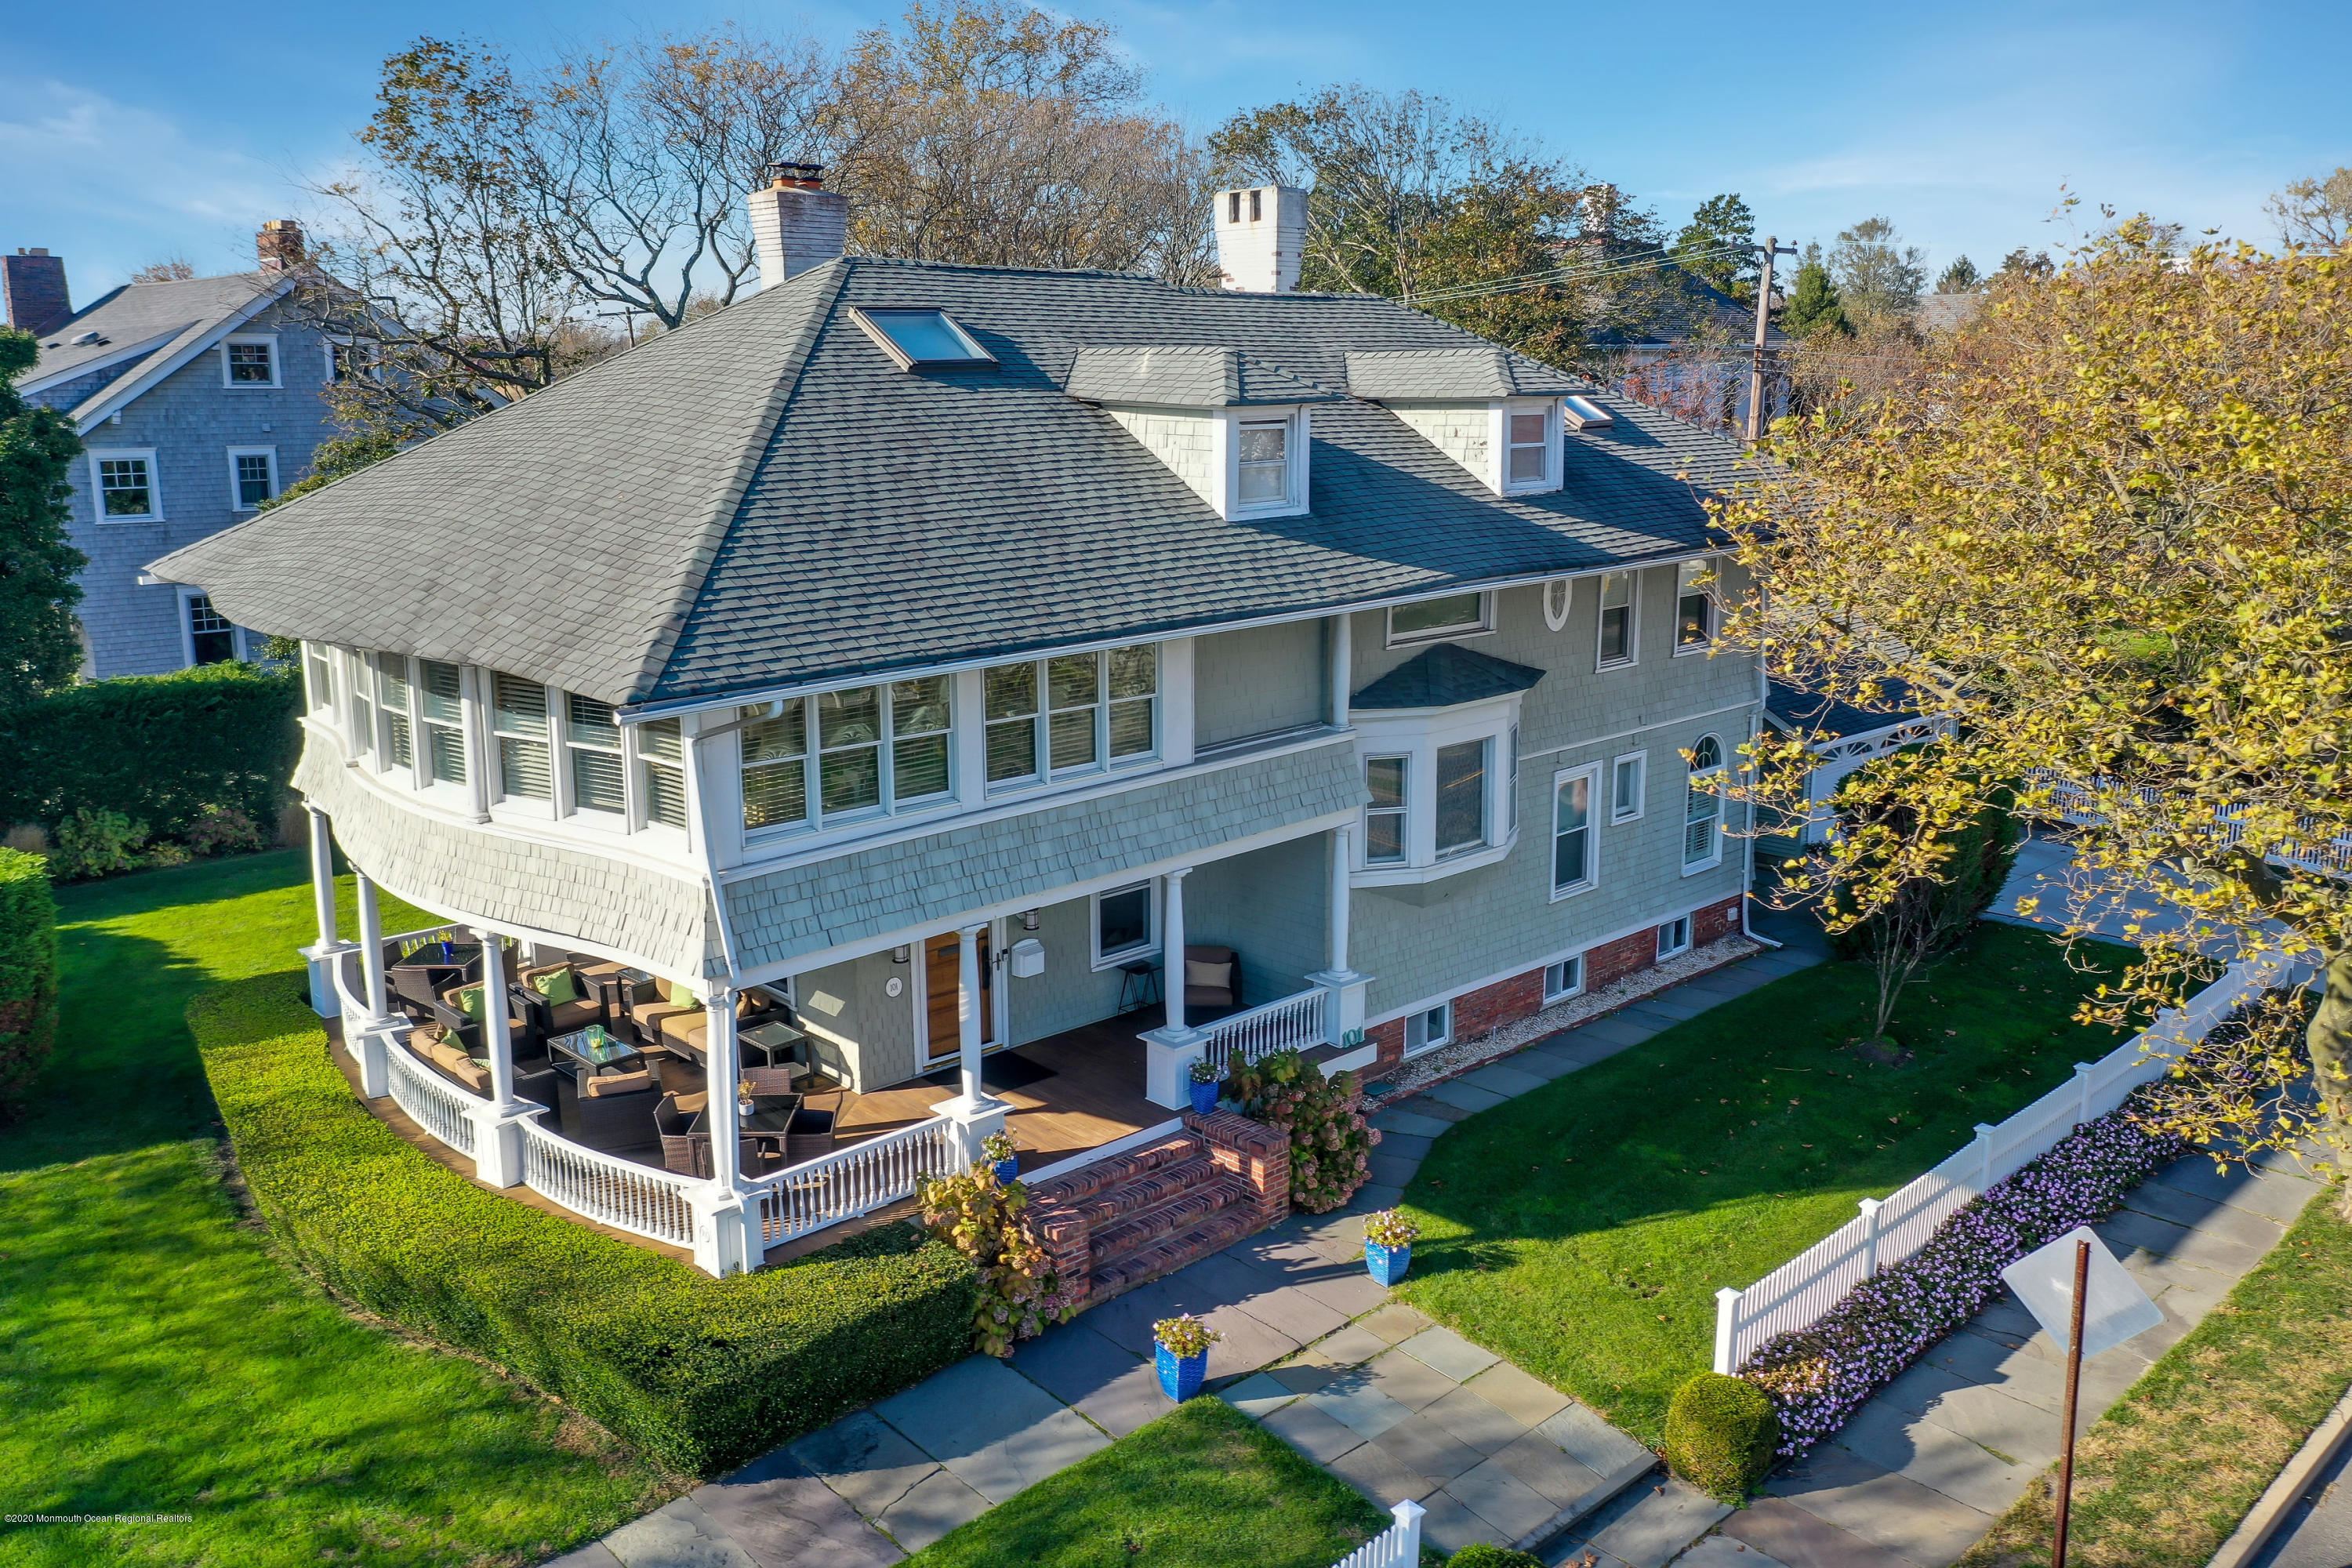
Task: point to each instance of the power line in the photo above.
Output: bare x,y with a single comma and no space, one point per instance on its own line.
1576,273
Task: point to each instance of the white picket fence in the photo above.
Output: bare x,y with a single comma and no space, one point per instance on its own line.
2077,803
1244,1038
1398,1546
1800,1291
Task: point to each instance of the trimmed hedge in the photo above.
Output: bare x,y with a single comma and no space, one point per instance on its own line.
157,749
1720,1435
700,1374
28,972
1485,1555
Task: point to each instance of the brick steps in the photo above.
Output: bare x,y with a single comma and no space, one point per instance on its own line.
1153,1187
1087,1181
1180,1211
1223,1229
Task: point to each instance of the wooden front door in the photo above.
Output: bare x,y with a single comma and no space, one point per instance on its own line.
942,960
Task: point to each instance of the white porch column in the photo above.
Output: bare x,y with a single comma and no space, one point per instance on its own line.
976,1112
725,1237
321,955
1342,644
498,1140
1171,1050
1343,1010
365,1039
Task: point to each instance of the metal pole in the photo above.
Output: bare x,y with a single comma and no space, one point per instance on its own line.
2073,1384
1772,247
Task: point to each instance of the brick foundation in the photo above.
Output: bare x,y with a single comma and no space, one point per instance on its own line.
1521,995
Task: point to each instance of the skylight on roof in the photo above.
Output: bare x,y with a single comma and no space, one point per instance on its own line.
1587,414
922,339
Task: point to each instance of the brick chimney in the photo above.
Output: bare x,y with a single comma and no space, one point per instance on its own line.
35,284
280,244
1261,234
796,223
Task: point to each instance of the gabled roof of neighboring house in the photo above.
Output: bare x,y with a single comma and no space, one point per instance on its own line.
1446,676
762,498
140,334
1947,313
1189,377
1802,711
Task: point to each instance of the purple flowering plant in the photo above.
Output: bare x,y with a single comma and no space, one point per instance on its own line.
1817,1376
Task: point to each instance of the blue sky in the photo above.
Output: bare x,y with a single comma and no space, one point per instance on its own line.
130,132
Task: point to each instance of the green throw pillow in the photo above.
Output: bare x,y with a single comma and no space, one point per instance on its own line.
556,986
469,1002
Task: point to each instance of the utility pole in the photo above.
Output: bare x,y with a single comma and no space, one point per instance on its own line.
1770,248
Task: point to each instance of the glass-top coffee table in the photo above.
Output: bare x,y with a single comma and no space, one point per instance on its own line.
595,1047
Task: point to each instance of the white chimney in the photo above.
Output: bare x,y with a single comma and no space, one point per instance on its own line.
796,222
1261,233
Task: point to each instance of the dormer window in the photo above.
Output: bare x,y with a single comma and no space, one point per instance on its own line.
923,338
1530,448
1264,460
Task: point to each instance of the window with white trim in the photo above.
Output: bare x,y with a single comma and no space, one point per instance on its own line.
1564,979
252,477
661,771
441,706
123,478
1461,791
1531,440
249,361
592,756
1674,937
1384,813
1428,1030
1263,463
1071,713
395,746
1702,805
1126,925
212,636
1619,611
1434,620
1694,607
362,714
319,673
1575,844
518,719
876,749
350,360
1628,782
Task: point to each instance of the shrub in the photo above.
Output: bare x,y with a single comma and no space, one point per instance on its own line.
158,749
982,1217
700,1374
1721,1433
225,830
1331,1146
28,972
95,844
1485,1555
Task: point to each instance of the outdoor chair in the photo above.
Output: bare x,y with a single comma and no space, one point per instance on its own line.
811,1137
548,1015
1213,982
607,1109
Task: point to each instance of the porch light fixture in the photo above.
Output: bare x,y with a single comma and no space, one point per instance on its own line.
1028,920
901,954
922,339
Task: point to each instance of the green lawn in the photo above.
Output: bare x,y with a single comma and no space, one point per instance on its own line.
1583,1229
1202,1487
2163,1478
155,1358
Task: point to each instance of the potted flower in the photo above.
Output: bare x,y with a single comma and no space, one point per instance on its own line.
1389,1236
1183,1355
1205,1079
1000,1152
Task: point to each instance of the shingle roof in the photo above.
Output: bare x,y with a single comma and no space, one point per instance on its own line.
763,499
1185,377
1482,370
1803,709
1444,676
140,326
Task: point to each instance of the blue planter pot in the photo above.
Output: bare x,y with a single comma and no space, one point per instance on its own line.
1388,1264
1006,1169
1180,1376
1204,1098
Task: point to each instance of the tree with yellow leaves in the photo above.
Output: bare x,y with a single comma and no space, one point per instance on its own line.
2108,531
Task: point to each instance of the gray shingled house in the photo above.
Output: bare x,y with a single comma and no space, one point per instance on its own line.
198,399
959,698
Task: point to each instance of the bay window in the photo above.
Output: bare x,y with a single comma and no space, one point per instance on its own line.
1384,816
1703,806
441,706
321,672
1461,796
518,719
876,749
1438,787
1069,713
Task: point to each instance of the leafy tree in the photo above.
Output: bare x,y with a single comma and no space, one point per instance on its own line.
1814,303
171,270
1877,275
40,646
2020,266
2107,536
1960,278
1719,223
2315,212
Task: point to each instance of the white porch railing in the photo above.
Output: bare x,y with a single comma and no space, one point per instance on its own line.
1244,1038
1800,1291
853,1181
432,1101
1398,1546
2076,803
628,1196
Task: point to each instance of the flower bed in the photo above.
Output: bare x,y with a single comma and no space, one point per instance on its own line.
1817,1376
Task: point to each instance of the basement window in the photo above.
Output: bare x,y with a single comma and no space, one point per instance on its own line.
923,338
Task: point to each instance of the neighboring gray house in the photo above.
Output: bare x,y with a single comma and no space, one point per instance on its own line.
197,399
914,672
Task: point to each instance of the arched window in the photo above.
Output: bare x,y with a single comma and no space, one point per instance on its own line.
1703,806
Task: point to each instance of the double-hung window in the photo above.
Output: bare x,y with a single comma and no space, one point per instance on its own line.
126,486
519,718
661,764
1461,796
1694,608
441,705
1575,848
591,746
1628,776
397,748
1703,806
1618,628
252,475
1071,713
250,362
876,749
1265,463
212,638
1384,814
1527,448
1432,620
322,673
1125,924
